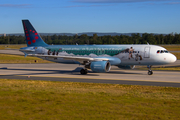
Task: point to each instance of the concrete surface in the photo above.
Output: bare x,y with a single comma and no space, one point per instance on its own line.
70,72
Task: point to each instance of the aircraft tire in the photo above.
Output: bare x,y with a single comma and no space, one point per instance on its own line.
83,71
150,72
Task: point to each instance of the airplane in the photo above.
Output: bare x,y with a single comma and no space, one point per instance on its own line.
98,58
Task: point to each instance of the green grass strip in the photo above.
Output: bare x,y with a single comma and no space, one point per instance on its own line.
5,58
12,46
22,99
171,47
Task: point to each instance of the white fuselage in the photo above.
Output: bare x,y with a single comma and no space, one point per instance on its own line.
141,55
150,56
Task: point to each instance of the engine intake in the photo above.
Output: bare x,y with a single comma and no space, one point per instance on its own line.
100,66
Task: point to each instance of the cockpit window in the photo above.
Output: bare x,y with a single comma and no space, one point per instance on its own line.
162,51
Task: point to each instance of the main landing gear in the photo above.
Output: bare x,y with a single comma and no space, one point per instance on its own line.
149,71
83,71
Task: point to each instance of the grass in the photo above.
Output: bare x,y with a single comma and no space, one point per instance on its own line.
177,54
172,47
5,58
21,99
160,68
14,46
166,68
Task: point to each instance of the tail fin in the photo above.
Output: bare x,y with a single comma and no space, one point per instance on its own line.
32,37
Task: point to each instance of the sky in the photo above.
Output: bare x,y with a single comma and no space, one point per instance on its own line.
77,16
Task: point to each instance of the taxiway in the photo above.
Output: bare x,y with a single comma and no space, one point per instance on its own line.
70,73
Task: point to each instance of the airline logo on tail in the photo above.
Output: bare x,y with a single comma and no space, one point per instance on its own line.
32,37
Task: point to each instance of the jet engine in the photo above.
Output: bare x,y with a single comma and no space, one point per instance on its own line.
100,66
126,66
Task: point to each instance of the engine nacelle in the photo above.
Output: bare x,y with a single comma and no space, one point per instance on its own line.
126,66
100,66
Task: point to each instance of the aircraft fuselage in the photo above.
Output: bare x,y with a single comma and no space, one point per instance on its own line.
141,54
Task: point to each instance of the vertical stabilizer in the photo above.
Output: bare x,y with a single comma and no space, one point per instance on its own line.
32,37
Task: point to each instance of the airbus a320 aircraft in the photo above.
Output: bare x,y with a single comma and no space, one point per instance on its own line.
98,58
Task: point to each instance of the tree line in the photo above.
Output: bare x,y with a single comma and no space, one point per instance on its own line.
95,39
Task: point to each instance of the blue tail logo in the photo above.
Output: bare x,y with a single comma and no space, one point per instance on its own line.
32,37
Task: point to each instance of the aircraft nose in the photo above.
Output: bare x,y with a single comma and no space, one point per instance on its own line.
173,58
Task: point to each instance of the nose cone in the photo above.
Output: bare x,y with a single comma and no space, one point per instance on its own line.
173,58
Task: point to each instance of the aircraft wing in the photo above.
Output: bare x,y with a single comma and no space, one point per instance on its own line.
25,50
112,60
76,58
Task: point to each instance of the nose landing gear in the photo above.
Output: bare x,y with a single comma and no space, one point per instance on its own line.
149,71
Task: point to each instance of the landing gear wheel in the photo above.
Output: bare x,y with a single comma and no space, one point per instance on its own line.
150,72
84,71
